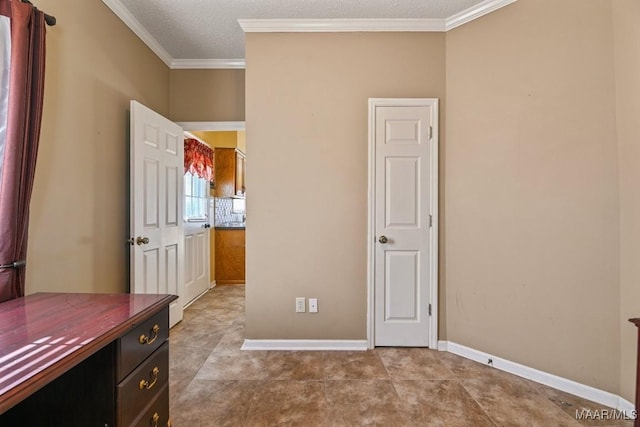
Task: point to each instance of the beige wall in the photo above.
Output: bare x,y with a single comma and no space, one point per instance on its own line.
79,210
539,254
626,15
307,170
532,189
207,95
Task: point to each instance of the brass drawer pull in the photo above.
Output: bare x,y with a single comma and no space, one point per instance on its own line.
144,384
156,418
154,334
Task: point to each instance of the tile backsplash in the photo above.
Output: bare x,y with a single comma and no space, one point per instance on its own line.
222,211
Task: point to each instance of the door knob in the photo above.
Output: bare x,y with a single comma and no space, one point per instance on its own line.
383,239
142,240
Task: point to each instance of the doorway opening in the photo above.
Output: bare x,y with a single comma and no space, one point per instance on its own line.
225,203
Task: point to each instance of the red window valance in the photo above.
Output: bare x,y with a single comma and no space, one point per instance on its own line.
198,159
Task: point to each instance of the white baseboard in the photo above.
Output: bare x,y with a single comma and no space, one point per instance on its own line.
587,392
212,285
319,345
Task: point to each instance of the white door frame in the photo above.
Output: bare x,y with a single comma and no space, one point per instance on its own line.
433,231
212,126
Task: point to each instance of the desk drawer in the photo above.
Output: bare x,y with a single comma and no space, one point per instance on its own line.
141,341
142,386
157,415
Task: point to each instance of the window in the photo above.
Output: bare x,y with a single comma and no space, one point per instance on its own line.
195,197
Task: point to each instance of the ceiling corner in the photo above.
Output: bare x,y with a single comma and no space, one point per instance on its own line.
135,26
475,12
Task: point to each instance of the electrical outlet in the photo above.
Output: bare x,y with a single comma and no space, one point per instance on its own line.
313,305
300,305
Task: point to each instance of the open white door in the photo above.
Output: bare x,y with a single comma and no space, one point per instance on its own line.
157,245
403,210
196,256
196,237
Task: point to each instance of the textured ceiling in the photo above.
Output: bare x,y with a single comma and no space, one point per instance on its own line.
209,29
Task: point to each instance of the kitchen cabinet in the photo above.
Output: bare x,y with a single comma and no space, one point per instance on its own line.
85,360
230,256
229,173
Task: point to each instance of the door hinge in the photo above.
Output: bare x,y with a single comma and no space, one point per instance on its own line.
430,132
429,309
430,220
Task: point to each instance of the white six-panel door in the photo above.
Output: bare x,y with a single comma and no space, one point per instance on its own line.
156,174
196,256
403,211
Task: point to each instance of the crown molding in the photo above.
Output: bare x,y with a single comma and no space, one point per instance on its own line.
475,12
135,26
306,26
340,25
178,64
372,25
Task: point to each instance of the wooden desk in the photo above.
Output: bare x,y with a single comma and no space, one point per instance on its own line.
84,360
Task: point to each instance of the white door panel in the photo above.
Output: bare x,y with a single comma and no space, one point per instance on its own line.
196,237
402,207
156,206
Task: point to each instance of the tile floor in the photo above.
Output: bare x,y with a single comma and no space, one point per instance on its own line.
214,383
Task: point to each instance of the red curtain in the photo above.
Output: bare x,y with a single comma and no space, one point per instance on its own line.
20,147
198,159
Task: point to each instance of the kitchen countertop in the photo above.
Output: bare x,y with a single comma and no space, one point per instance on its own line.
230,226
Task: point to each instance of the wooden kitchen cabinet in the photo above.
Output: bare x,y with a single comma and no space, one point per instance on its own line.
230,256
229,172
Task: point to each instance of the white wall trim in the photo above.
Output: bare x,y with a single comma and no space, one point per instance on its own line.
587,392
194,64
433,202
475,12
371,214
302,26
340,25
372,25
212,126
318,345
135,26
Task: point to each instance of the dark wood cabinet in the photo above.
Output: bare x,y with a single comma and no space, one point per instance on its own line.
230,256
229,173
85,360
